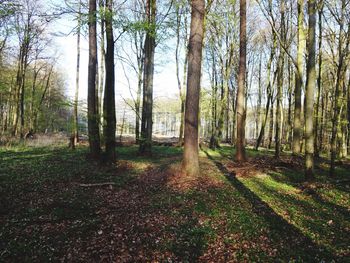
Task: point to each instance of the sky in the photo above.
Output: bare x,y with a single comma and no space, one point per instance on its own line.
165,83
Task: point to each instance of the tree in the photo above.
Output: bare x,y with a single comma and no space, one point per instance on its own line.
341,68
147,103
318,122
109,98
280,68
298,80
93,127
309,93
179,9
76,95
240,107
190,165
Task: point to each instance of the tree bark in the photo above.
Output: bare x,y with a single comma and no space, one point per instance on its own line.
76,96
180,87
341,69
280,68
269,94
190,165
319,79
93,129
240,107
109,96
102,64
309,93
147,103
296,148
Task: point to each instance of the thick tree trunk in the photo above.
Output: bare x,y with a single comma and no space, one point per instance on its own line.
240,107
109,97
190,165
309,93
147,103
93,127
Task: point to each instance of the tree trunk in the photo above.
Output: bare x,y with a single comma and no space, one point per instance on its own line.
147,103
240,107
101,71
76,97
109,97
309,93
271,124
137,105
180,87
289,114
296,148
280,68
190,165
93,127
319,79
269,94
258,106
338,101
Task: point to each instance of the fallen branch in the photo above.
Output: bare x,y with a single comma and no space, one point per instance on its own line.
97,184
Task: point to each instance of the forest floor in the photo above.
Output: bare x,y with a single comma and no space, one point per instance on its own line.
52,210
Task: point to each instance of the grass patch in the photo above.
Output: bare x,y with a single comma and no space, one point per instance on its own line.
47,216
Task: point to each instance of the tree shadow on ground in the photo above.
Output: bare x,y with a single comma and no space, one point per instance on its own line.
294,179
293,237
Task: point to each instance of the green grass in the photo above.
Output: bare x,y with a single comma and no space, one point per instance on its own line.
46,216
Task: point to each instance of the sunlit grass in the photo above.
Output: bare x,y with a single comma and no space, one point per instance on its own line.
316,214
224,213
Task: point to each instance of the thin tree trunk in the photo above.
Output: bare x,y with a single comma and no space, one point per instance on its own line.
289,117
181,95
76,96
190,165
338,104
271,124
240,107
269,94
296,148
31,109
280,68
258,110
319,79
101,71
348,113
